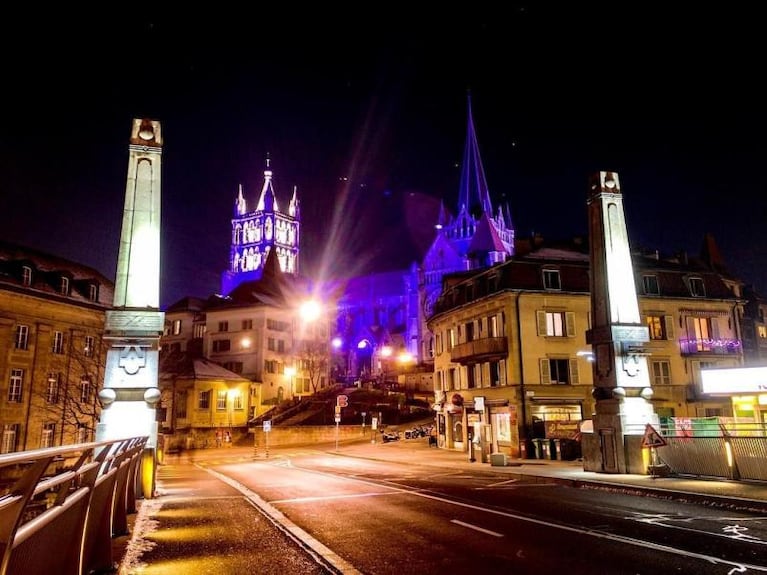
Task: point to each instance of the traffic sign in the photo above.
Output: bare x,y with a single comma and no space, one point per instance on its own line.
268,425
652,438
342,401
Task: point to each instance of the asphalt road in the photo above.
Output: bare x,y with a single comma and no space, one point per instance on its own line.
391,518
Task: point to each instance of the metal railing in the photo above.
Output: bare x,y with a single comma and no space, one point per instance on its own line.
60,507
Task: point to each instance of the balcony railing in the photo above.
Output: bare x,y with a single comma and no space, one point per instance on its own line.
711,346
480,349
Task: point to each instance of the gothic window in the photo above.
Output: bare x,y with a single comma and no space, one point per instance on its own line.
268,229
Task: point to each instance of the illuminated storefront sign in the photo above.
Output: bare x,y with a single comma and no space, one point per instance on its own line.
735,380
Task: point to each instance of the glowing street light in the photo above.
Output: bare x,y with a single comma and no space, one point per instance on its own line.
310,310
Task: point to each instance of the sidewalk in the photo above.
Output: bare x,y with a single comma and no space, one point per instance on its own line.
187,528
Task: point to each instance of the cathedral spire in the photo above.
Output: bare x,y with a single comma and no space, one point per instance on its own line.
267,200
473,193
294,209
240,205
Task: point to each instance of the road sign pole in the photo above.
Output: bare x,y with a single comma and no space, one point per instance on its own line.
336,435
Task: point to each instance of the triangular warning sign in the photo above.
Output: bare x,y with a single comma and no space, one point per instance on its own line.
652,438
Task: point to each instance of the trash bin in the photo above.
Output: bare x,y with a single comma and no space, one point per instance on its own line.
554,449
527,449
543,448
538,448
498,459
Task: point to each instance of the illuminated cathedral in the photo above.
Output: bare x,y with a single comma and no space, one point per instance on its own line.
255,233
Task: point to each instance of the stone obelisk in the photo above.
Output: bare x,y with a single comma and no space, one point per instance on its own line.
134,326
622,387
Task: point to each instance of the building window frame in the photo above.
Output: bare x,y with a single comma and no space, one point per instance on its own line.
57,344
660,371
16,385
552,280
21,338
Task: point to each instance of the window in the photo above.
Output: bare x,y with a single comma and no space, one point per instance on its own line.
492,326
82,435
450,339
203,400
247,324
271,344
221,400
281,346
660,327
93,292
181,404
556,323
49,433
223,326
220,345
16,386
64,286
85,389
558,371
761,331
271,366
660,371
702,331
10,435
90,342
237,401
551,279
697,288
52,388
469,329
58,342
199,330
233,366
21,340
176,327
26,275
650,285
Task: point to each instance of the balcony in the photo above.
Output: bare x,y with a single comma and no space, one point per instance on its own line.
480,350
711,346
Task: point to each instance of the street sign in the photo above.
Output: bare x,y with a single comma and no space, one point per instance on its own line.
342,401
338,410
268,425
652,438
338,420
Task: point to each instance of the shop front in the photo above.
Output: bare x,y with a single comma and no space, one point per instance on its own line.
746,387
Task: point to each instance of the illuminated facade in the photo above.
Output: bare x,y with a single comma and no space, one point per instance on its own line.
514,335
51,334
257,232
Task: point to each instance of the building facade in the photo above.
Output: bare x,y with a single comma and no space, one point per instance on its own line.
512,365
52,354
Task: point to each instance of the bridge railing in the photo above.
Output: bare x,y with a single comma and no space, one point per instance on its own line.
60,507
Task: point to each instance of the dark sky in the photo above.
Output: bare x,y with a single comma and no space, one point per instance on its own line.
672,100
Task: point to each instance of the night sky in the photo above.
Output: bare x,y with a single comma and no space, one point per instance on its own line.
365,112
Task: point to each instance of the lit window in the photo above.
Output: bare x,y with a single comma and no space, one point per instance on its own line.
657,326
237,400
761,331
221,400
552,323
10,437
176,326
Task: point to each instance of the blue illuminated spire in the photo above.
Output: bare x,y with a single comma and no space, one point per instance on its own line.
473,193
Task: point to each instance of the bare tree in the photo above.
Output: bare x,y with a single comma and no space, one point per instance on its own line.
313,357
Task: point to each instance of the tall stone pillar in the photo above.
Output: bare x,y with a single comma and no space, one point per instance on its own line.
134,326
622,387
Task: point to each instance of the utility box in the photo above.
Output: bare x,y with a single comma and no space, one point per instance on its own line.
498,459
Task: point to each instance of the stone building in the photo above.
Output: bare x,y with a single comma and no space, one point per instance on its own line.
51,352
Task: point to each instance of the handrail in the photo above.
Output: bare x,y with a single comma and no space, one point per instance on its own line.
59,504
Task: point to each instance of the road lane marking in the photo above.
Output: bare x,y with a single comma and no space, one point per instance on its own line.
476,528
328,497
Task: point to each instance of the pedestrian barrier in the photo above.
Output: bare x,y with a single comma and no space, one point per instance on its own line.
61,506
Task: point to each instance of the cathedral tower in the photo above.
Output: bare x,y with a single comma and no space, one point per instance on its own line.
255,233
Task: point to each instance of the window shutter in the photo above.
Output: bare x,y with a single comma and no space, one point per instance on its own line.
570,323
574,377
669,320
545,371
541,317
714,328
